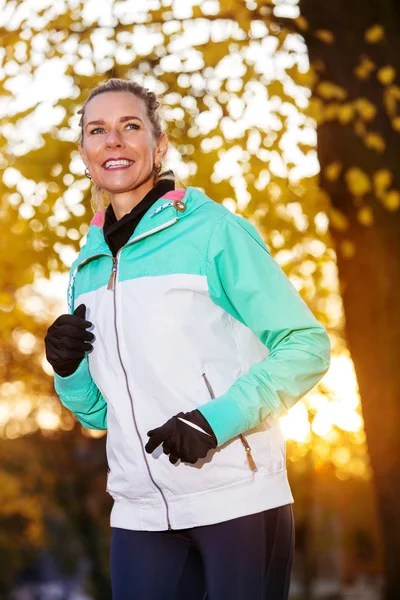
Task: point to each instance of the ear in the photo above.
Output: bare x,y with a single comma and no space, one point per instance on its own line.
161,148
83,154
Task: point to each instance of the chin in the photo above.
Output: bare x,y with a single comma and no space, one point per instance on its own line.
121,189
124,187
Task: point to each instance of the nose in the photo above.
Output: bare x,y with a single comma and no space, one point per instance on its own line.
114,140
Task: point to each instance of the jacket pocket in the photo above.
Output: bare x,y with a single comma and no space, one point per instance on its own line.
245,443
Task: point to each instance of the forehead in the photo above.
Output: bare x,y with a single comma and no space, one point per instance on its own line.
112,105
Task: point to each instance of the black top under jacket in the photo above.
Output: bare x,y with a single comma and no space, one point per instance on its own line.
117,233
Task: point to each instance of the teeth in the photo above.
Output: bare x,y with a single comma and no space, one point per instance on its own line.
117,163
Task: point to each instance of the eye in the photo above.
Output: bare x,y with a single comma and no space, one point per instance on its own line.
134,125
94,131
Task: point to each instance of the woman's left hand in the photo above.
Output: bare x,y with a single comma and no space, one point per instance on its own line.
186,437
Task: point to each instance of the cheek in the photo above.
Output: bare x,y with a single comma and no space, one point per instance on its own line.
143,144
93,145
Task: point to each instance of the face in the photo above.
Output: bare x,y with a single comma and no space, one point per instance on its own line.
118,146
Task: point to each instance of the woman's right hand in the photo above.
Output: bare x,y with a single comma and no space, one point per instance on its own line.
67,341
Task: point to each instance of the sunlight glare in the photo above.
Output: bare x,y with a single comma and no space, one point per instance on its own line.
47,419
340,408
295,425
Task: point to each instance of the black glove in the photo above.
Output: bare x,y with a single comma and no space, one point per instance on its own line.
67,341
182,441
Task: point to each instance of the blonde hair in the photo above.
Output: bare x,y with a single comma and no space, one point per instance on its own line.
100,198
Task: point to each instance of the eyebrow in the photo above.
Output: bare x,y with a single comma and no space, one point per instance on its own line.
121,120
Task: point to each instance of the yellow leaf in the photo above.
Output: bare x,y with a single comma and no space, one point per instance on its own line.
307,79
365,108
375,141
325,36
365,216
338,220
302,23
316,110
386,75
374,34
392,200
382,181
396,123
330,91
306,148
391,96
225,5
357,181
331,111
6,300
333,170
347,249
345,113
359,128
365,68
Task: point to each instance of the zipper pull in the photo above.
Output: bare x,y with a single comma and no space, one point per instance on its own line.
111,281
249,455
250,460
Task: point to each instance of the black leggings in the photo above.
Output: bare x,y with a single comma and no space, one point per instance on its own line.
249,558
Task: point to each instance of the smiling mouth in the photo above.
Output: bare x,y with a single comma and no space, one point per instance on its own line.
116,165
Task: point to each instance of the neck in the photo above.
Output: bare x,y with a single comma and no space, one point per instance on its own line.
124,202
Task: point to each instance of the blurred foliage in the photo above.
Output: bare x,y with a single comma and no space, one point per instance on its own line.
53,497
228,79
354,53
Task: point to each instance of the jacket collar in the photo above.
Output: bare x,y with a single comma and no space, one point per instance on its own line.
118,232
159,214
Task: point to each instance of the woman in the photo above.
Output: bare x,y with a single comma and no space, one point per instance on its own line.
199,344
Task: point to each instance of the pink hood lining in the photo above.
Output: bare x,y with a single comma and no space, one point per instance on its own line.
178,194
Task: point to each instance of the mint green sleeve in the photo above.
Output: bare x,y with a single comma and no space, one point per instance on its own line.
246,281
79,394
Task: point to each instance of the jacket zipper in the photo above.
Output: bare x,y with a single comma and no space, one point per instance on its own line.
111,281
113,277
246,445
111,286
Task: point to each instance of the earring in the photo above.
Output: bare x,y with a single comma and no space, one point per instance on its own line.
158,168
88,175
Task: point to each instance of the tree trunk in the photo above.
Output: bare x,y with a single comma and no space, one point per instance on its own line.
365,225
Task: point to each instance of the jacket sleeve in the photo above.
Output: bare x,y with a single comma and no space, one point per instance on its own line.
79,394
245,281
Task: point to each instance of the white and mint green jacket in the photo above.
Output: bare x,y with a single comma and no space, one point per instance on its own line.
192,313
